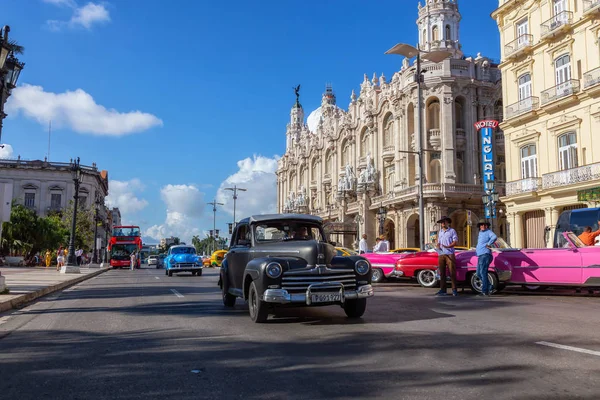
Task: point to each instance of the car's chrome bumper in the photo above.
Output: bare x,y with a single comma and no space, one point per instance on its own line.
282,296
503,274
396,274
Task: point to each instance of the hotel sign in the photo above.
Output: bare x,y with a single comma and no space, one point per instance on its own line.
486,128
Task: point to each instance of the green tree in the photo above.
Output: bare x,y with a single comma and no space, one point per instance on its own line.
84,229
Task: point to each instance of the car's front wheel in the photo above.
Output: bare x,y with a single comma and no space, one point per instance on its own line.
377,276
228,299
426,278
355,308
258,308
170,273
492,281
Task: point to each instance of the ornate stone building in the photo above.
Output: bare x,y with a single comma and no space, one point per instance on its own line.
358,160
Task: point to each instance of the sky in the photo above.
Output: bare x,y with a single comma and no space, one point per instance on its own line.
178,100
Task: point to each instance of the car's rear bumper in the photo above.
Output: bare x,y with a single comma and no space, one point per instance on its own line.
282,296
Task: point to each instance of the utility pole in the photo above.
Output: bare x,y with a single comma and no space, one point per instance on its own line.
235,189
214,204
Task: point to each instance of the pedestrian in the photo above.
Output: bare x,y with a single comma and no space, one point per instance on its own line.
78,254
362,245
385,247
133,260
377,247
48,258
485,240
447,239
588,237
60,258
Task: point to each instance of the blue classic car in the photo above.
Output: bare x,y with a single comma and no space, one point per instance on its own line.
182,258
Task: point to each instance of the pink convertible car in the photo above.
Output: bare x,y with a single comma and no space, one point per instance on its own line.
383,264
575,265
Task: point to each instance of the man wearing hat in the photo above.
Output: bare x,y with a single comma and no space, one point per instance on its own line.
447,239
485,240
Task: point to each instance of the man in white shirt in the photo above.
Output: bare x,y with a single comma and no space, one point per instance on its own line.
385,245
362,245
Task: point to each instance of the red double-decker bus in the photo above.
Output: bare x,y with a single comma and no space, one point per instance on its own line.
124,241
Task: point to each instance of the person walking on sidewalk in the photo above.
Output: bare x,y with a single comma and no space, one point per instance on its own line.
48,258
485,240
60,258
133,260
362,245
447,239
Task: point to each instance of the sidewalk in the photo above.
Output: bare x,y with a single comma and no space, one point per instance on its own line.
29,283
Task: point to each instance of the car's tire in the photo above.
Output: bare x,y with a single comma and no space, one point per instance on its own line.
259,311
228,299
167,272
377,276
199,273
427,278
170,273
476,282
355,308
534,288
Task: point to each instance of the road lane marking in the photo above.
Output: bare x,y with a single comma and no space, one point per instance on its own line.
156,277
571,348
176,293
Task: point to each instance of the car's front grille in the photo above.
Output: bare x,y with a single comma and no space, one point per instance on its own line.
183,265
299,281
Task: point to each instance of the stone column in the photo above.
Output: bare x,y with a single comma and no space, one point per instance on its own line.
398,146
470,158
516,231
448,137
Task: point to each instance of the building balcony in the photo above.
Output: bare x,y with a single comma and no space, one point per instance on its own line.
389,152
591,79
522,107
527,185
435,138
556,24
518,46
564,90
445,45
591,6
573,176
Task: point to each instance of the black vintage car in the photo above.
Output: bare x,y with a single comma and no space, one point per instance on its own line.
285,260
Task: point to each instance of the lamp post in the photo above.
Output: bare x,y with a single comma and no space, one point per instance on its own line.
235,189
381,215
409,51
71,267
215,204
490,199
359,220
10,69
97,203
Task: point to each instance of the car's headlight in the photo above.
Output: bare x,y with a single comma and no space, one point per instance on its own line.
274,270
361,267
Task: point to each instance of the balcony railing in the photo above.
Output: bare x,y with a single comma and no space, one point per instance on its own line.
554,24
559,91
389,149
327,177
572,176
526,105
435,138
520,43
591,78
590,5
526,185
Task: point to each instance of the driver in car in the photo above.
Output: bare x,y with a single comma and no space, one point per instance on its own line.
302,233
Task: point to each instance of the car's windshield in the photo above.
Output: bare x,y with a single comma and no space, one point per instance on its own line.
573,238
126,231
501,244
275,231
183,250
122,251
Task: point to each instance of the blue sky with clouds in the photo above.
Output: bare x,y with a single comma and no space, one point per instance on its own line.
177,99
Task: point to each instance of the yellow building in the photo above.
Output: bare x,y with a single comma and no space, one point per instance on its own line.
551,89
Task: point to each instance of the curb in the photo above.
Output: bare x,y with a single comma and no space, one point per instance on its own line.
27,297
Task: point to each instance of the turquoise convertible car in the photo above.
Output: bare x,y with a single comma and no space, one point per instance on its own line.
182,258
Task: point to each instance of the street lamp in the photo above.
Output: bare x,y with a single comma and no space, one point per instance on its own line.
215,204
359,220
381,215
235,189
490,199
4,45
72,267
97,202
10,69
409,51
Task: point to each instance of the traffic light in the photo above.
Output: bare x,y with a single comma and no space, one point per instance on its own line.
230,228
211,233
217,234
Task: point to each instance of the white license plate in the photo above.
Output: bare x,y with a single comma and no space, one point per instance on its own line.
325,297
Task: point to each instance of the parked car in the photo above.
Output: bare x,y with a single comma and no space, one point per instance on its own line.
217,258
182,258
344,251
284,260
153,260
384,264
403,250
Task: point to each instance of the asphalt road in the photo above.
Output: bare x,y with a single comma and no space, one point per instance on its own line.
141,335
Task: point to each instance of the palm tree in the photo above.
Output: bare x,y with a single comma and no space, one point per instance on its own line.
15,47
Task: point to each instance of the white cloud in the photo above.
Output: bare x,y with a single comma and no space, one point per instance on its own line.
185,206
313,119
78,111
122,194
257,175
83,17
6,151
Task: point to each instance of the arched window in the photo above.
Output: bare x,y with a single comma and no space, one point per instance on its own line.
528,161
567,151
435,33
410,119
388,131
364,143
435,171
524,86
459,116
433,115
448,32
346,153
562,69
